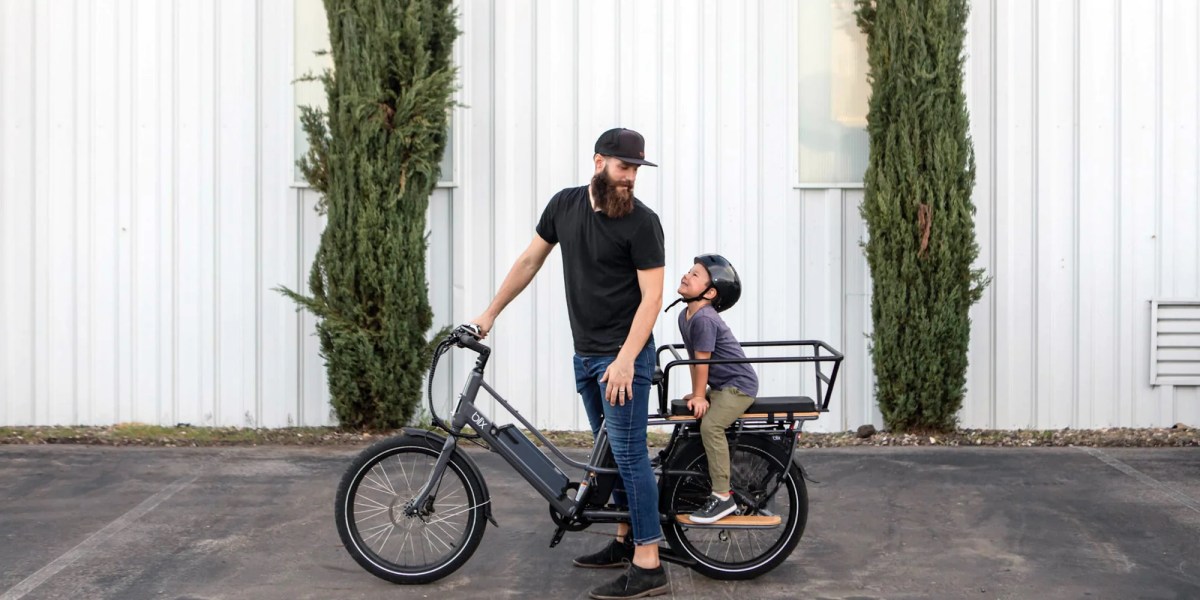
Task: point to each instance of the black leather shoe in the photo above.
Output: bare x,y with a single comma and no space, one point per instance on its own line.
635,583
615,554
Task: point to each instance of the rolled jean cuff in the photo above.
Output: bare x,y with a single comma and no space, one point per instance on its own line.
654,540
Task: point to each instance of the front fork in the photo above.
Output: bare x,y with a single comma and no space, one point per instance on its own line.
413,507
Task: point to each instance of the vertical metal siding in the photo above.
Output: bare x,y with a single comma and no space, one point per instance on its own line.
145,206
146,212
1095,146
709,85
1086,192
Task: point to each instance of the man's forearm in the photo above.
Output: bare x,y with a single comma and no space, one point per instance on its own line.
643,324
515,282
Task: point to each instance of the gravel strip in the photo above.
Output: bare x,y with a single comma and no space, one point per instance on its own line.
140,435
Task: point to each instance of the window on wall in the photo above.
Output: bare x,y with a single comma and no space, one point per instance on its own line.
833,94
312,36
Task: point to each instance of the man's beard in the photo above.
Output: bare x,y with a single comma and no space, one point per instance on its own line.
613,198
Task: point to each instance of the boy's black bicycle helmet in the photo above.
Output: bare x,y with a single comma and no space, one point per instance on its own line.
724,279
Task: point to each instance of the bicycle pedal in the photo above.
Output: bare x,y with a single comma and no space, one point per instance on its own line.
558,536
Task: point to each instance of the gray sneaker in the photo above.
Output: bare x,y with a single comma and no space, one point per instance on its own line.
715,509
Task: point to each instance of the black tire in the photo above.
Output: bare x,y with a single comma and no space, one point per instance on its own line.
731,554
370,503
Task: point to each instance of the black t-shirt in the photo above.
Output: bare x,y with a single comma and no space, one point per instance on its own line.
601,258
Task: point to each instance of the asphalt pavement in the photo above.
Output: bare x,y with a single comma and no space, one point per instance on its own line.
257,523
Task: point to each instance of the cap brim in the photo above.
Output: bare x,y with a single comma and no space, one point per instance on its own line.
635,161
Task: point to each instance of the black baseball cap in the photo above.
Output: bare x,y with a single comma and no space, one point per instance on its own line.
625,144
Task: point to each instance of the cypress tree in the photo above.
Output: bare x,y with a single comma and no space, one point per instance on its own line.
918,210
374,157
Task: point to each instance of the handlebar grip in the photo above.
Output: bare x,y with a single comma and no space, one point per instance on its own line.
467,334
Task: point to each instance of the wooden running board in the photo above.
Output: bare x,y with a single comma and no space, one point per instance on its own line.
734,522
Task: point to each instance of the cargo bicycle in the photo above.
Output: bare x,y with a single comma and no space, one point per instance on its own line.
413,508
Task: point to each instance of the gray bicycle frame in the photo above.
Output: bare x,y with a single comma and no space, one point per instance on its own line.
467,412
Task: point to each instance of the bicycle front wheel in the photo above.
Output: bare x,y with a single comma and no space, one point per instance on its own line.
421,548
755,470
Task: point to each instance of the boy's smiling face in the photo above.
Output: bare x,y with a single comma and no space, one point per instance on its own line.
694,282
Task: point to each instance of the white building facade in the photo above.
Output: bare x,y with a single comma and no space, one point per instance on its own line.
149,203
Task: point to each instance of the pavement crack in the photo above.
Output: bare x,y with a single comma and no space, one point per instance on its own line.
1165,489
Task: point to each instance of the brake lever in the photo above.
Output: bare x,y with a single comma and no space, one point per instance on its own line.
467,332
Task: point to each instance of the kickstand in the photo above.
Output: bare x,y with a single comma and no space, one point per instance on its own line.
558,536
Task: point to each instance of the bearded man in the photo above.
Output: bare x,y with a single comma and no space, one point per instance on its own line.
613,264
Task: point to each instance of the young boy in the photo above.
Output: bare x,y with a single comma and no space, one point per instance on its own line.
720,393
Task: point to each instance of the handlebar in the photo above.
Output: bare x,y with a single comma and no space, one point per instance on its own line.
470,329
468,335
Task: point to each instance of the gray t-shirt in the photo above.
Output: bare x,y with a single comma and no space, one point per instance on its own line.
706,331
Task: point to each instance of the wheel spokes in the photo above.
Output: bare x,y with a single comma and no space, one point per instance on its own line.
753,476
421,540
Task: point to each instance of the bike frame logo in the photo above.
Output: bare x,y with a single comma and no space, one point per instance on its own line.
478,420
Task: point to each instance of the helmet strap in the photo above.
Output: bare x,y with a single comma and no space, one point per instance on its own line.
689,300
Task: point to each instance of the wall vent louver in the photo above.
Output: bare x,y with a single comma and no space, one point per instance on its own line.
1175,342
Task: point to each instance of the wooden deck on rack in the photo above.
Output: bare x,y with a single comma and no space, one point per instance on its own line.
735,521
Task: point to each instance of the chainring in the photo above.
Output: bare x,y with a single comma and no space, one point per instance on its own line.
561,521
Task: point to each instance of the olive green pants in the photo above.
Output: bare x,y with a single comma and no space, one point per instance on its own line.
724,407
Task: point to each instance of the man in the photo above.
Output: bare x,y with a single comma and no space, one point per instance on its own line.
613,265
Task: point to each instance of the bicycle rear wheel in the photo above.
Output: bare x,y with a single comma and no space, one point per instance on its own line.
425,547
755,467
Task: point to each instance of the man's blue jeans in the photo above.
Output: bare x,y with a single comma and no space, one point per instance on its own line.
636,487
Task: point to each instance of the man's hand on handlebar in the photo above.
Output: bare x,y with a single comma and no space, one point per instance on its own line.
470,329
484,323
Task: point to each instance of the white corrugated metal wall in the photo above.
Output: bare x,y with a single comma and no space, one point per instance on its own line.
146,205
1088,139
1084,120
709,86
145,163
